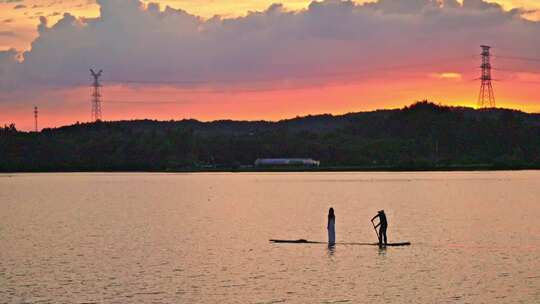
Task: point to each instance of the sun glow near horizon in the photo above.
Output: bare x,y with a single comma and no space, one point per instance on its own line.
170,103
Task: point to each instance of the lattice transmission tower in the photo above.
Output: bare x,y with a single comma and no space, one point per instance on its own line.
96,96
35,119
486,98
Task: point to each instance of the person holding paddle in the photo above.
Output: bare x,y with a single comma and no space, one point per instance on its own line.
383,225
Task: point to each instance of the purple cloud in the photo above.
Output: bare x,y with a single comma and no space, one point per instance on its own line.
133,41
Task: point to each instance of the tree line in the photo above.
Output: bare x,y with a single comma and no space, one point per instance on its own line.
422,136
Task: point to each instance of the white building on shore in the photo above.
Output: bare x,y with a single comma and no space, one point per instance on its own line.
308,162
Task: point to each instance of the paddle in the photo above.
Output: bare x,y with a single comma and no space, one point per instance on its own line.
376,232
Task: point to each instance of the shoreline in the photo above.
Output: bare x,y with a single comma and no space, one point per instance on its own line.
455,168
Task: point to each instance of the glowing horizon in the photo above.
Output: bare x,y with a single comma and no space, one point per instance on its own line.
332,99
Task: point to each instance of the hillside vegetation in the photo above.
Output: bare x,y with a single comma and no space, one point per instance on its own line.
423,136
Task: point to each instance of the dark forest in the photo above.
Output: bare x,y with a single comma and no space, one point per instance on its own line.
423,136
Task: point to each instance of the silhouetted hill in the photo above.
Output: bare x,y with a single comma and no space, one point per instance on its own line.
419,137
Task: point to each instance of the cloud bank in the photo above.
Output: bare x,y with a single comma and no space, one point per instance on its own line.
133,42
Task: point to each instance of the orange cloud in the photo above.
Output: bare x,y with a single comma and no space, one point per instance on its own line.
447,76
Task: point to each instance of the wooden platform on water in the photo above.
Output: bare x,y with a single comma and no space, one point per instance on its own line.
302,241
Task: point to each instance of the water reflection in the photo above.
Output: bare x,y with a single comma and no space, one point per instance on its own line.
155,238
331,250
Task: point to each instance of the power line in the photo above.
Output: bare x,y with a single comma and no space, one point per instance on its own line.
144,102
521,81
486,97
314,75
517,58
240,90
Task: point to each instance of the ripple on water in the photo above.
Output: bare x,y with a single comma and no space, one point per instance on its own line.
147,238
272,301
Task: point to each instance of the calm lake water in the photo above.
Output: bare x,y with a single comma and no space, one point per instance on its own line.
203,238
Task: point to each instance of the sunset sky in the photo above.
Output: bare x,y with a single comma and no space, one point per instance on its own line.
225,59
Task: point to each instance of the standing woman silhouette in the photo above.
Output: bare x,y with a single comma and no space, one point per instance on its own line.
331,227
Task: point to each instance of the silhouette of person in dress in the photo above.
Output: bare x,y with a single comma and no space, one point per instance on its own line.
331,227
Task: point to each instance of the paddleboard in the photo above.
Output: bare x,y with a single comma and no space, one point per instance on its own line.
303,241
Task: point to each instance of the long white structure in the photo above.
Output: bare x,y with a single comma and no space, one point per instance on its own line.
287,162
